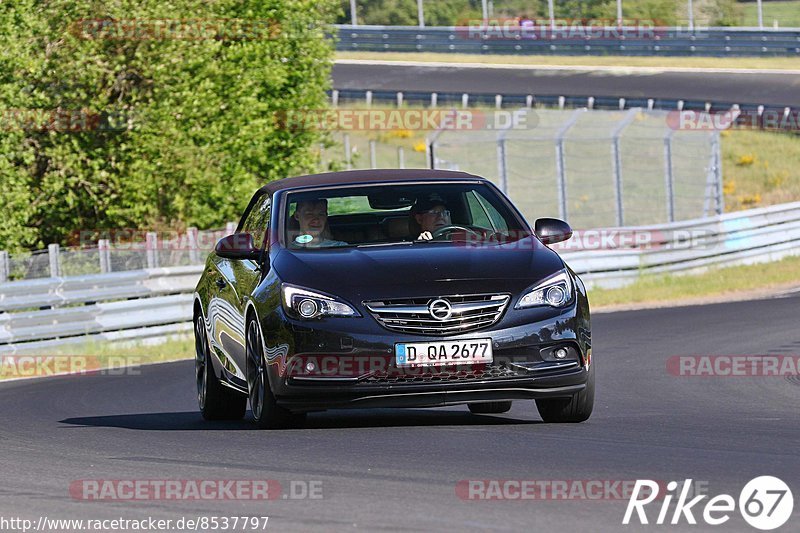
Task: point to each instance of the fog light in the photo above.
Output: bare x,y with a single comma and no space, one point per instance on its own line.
310,367
561,353
307,308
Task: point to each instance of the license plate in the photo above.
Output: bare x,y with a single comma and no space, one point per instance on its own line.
467,352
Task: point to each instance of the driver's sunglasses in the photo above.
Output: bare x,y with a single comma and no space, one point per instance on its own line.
443,213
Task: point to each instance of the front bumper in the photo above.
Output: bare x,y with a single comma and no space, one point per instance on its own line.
523,366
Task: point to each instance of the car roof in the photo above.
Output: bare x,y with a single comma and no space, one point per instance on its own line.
349,177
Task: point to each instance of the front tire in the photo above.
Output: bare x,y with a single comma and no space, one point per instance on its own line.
215,401
576,409
267,414
490,408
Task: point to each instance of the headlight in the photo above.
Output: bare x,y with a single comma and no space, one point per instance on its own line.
309,304
555,291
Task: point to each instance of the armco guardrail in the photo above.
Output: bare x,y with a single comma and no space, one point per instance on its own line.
47,313
743,237
671,41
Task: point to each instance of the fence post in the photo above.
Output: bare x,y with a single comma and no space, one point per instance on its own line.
434,99
669,177
373,158
561,177
151,241
401,157
399,99
104,251
347,155
617,163
718,172
502,167
5,266
192,238
368,98
54,252
465,100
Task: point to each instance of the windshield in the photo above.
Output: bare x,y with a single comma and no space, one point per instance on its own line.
386,215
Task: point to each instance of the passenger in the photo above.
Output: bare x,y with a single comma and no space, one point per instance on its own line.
311,217
430,215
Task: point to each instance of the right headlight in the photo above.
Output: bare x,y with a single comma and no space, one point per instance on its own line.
309,304
555,291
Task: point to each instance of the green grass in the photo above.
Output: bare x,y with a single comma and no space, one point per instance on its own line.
760,168
93,356
713,283
591,61
787,13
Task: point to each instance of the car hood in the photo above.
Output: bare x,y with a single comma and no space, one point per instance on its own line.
418,269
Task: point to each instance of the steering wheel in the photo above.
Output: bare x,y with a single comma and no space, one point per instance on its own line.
452,228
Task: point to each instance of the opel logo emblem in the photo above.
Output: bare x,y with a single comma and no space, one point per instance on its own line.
440,309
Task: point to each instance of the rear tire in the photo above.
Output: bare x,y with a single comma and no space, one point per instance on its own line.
215,401
576,409
267,414
490,408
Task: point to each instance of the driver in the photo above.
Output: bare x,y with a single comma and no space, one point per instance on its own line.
430,214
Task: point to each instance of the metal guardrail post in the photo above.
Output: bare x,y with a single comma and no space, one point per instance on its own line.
104,251
54,252
5,266
616,161
401,157
151,243
335,98
669,177
194,252
373,158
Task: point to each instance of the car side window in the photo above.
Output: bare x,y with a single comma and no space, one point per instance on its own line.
257,222
484,213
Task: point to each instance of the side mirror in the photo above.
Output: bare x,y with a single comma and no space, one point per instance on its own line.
552,230
238,246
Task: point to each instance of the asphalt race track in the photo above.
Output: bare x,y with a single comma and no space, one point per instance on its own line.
775,89
398,469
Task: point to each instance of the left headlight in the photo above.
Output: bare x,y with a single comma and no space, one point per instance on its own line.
555,291
309,304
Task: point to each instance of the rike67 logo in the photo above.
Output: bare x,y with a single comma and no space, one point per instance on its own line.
765,503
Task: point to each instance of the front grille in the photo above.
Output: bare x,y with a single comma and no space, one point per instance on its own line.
413,315
443,375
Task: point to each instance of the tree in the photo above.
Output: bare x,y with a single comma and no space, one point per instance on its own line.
151,113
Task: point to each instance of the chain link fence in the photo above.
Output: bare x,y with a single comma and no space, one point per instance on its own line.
118,251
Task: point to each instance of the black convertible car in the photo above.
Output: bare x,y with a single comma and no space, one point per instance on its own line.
390,288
